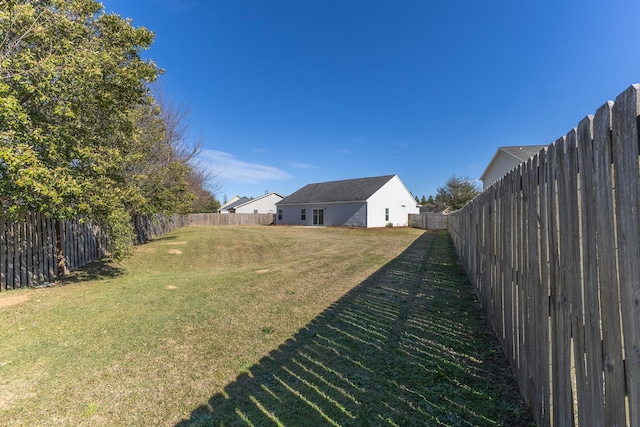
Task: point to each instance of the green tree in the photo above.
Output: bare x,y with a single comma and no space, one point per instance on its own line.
72,88
198,185
423,201
457,192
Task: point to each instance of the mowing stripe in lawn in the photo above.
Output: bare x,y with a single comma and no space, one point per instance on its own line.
409,346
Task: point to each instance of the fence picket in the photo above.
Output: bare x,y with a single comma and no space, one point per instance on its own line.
614,390
625,158
542,414
592,408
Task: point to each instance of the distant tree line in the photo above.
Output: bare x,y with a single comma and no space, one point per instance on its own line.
82,134
456,192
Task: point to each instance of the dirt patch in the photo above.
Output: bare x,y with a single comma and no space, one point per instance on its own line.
264,270
171,287
174,251
8,302
177,243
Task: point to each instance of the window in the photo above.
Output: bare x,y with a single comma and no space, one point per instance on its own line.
303,214
280,214
318,217
386,214
255,211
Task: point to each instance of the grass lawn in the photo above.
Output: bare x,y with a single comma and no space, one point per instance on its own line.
258,326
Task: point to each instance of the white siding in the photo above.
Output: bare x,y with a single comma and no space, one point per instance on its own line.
264,204
395,197
348,214
499,167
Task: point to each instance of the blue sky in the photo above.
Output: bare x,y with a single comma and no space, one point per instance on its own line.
286,93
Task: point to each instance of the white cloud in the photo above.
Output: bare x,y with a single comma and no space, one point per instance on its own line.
229,167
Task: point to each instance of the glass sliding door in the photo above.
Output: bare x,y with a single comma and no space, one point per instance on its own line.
318,217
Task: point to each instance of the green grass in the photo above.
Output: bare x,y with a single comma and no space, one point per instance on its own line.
258,326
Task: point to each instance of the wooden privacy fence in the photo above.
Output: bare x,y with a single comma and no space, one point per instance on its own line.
28,249
553,250
148,228
230,219
429,221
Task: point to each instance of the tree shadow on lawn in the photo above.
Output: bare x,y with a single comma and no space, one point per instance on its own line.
96,270
409,346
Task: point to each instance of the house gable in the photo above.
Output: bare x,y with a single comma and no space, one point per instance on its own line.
230,207
263,204
505,159
391,205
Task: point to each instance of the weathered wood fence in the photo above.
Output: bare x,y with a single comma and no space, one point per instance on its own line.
553,250
429,221
230,219
28,249
147,228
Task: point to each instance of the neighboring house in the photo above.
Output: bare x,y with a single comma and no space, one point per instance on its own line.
505,159
363,202
230,206
263,204
228,202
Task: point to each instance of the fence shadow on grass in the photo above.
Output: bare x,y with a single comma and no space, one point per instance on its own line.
408,346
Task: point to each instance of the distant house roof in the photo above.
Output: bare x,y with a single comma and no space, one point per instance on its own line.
518,153
348,190
228,202
230,206
246,202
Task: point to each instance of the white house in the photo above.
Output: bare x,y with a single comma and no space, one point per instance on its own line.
230,206
362,202
263,204
505,159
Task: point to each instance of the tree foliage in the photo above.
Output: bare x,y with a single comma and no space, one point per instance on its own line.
80,133
198,183
457,192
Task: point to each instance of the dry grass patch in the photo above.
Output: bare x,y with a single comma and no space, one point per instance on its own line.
12,300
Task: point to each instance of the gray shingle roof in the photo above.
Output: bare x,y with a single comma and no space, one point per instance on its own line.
238,202
348,190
